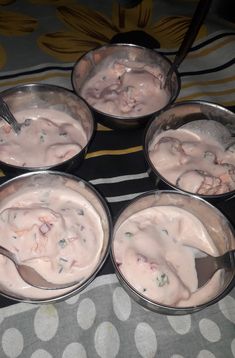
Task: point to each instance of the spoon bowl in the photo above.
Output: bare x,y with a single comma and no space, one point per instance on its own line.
207,265
31,276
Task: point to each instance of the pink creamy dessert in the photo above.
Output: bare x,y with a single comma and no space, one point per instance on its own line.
126,88
51,138
154,251
54,229
193,161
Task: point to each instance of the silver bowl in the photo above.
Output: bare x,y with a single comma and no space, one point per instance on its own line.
92,61
217,226
40,97
186,114
58,183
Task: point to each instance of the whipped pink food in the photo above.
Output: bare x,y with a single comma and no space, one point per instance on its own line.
56,231
153,251
194,162
51,137
126,88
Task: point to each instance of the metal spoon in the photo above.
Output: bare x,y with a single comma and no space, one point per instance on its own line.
31,276
7,115
207,265
196,22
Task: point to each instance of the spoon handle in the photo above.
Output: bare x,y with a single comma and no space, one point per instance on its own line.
6,114
196,22
8,254
226,261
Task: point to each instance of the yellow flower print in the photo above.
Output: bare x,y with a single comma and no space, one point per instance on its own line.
88,29
3,57
171,30
16,24
136,18
52,2
6,2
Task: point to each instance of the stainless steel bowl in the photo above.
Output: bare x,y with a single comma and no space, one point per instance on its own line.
87,65
186,114
216,224
41,181
45,96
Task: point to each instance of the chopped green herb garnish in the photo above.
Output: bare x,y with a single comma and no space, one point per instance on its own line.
63,134
165,231
60,268
62,243
63,259
80,212
42,136
42,140
14,237
162,280
128,234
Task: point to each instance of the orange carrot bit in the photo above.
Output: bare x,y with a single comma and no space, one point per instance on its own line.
21,232
224,177
7,128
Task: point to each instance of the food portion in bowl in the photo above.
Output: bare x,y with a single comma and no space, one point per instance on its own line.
156,240
195,160
122,87
152,250
50,137
51,224
125,84
56,127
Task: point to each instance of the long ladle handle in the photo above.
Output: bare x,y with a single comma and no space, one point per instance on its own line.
7,253
196,22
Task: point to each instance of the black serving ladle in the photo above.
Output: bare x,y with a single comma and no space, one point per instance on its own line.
199,15
141,38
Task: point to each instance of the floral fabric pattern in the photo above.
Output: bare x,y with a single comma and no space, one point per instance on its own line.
14,24
83,28
88,29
